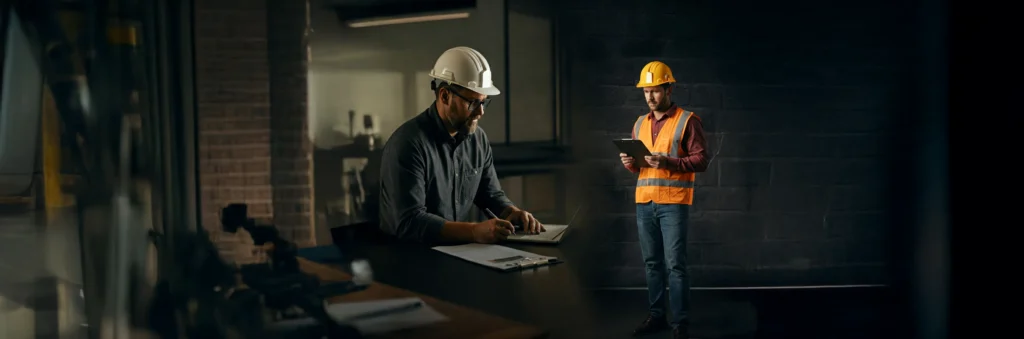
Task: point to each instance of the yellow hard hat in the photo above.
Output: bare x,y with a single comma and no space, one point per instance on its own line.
654,74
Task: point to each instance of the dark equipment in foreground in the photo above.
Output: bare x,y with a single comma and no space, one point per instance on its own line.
207,296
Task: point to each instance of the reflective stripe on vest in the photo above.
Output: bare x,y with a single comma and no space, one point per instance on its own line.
660,185
663,182
677,134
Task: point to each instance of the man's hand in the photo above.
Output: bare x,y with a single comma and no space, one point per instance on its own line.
657,161
525,219
491,231
626,159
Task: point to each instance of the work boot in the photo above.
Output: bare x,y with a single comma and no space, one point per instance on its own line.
681,332
651,325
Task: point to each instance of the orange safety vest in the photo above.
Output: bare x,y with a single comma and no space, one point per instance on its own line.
661,185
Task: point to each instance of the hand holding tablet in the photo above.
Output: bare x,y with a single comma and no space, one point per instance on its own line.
633,148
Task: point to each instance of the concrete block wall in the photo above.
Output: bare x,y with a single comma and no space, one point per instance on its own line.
795,99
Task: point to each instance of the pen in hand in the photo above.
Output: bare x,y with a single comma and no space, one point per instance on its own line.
492,216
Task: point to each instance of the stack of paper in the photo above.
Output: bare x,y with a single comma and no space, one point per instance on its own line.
497,257
552,235
378,316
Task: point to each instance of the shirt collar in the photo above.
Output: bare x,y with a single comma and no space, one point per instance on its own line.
668,113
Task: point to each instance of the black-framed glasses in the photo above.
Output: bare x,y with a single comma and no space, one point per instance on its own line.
473,103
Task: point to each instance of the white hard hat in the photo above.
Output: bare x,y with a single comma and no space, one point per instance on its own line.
465,67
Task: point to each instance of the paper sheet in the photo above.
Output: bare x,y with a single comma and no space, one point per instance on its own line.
495,256
422,316
550,235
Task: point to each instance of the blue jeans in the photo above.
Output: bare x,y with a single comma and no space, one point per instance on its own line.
662,230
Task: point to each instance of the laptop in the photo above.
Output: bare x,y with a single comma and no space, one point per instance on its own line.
553,233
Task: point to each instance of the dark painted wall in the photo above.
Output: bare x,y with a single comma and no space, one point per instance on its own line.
796,101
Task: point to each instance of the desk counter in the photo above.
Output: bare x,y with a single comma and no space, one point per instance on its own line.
463,323
552,298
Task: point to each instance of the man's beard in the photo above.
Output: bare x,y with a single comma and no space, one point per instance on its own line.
663,106
469,127
462,126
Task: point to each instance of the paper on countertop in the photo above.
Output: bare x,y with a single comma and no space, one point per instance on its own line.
495,256
422,316
551,232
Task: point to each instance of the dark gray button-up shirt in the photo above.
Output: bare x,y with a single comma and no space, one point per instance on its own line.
429,177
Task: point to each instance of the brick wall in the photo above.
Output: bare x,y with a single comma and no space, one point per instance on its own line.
251,131
292,150
794,99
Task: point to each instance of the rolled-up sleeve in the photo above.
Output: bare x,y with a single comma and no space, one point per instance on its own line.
403,194
490,195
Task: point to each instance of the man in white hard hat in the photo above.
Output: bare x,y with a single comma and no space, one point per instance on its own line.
438,165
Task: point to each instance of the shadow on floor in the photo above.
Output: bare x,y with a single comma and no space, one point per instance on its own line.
825,313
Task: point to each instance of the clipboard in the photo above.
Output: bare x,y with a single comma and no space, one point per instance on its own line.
498,257
634,148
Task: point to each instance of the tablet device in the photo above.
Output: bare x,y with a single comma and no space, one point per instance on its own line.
634,148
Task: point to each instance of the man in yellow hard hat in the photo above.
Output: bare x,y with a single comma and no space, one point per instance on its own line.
664,193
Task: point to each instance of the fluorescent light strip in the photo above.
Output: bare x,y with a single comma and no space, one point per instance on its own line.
408,20
807,287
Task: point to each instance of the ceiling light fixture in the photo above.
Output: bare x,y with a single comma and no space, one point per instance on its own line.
407,19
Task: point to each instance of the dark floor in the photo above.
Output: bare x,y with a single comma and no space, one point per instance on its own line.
733,314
